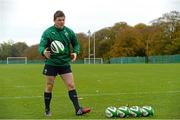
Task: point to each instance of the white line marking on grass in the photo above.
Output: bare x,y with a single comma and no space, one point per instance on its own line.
96,94
130,93
23,86
80,98
20,97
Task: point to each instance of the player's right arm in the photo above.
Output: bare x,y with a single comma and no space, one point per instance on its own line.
43,49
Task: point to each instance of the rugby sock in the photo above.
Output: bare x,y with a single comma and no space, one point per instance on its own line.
47,99
74,99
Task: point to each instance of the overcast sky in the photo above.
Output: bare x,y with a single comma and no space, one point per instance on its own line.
25,20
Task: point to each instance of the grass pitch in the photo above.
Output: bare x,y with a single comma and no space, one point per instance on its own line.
98,86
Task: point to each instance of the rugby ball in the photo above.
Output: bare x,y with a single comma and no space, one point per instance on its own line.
57,47
123,111
135,111
147,111
111,112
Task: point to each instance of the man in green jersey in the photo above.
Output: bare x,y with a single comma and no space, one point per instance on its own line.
59,64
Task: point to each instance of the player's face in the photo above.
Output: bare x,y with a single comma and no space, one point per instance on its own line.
59,22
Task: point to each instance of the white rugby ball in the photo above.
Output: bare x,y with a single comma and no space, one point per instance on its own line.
111,112
135,111
123,111
147,111
57,47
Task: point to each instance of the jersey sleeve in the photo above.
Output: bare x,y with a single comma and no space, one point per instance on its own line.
43,43
75,43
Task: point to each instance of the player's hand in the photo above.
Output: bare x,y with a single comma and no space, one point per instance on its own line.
47,53
73,57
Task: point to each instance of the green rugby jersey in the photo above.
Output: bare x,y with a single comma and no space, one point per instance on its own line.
67,37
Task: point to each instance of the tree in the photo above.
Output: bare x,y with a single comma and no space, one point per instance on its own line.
119,26
168,34
104,41
83,40
128,42
170,21
145,32
6,49
32,53
18,49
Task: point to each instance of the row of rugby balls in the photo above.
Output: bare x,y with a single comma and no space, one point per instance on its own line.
124,111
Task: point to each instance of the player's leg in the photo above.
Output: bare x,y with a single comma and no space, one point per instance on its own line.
69,82
50,72
48,94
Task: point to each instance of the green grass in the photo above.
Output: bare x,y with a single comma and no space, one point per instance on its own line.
98,86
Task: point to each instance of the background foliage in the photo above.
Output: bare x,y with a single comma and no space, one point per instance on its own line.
161,37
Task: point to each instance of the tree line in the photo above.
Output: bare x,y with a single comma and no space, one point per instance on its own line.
161,37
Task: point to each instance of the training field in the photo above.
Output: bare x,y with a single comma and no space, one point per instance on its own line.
98,86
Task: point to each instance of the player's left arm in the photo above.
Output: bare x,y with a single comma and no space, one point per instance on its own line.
73,57
76,47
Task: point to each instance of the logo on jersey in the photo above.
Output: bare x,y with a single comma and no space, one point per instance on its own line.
53,33
66,33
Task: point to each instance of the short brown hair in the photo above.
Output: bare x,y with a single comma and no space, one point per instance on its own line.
58,13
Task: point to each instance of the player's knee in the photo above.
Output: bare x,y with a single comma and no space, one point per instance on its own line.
49,87
71,86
